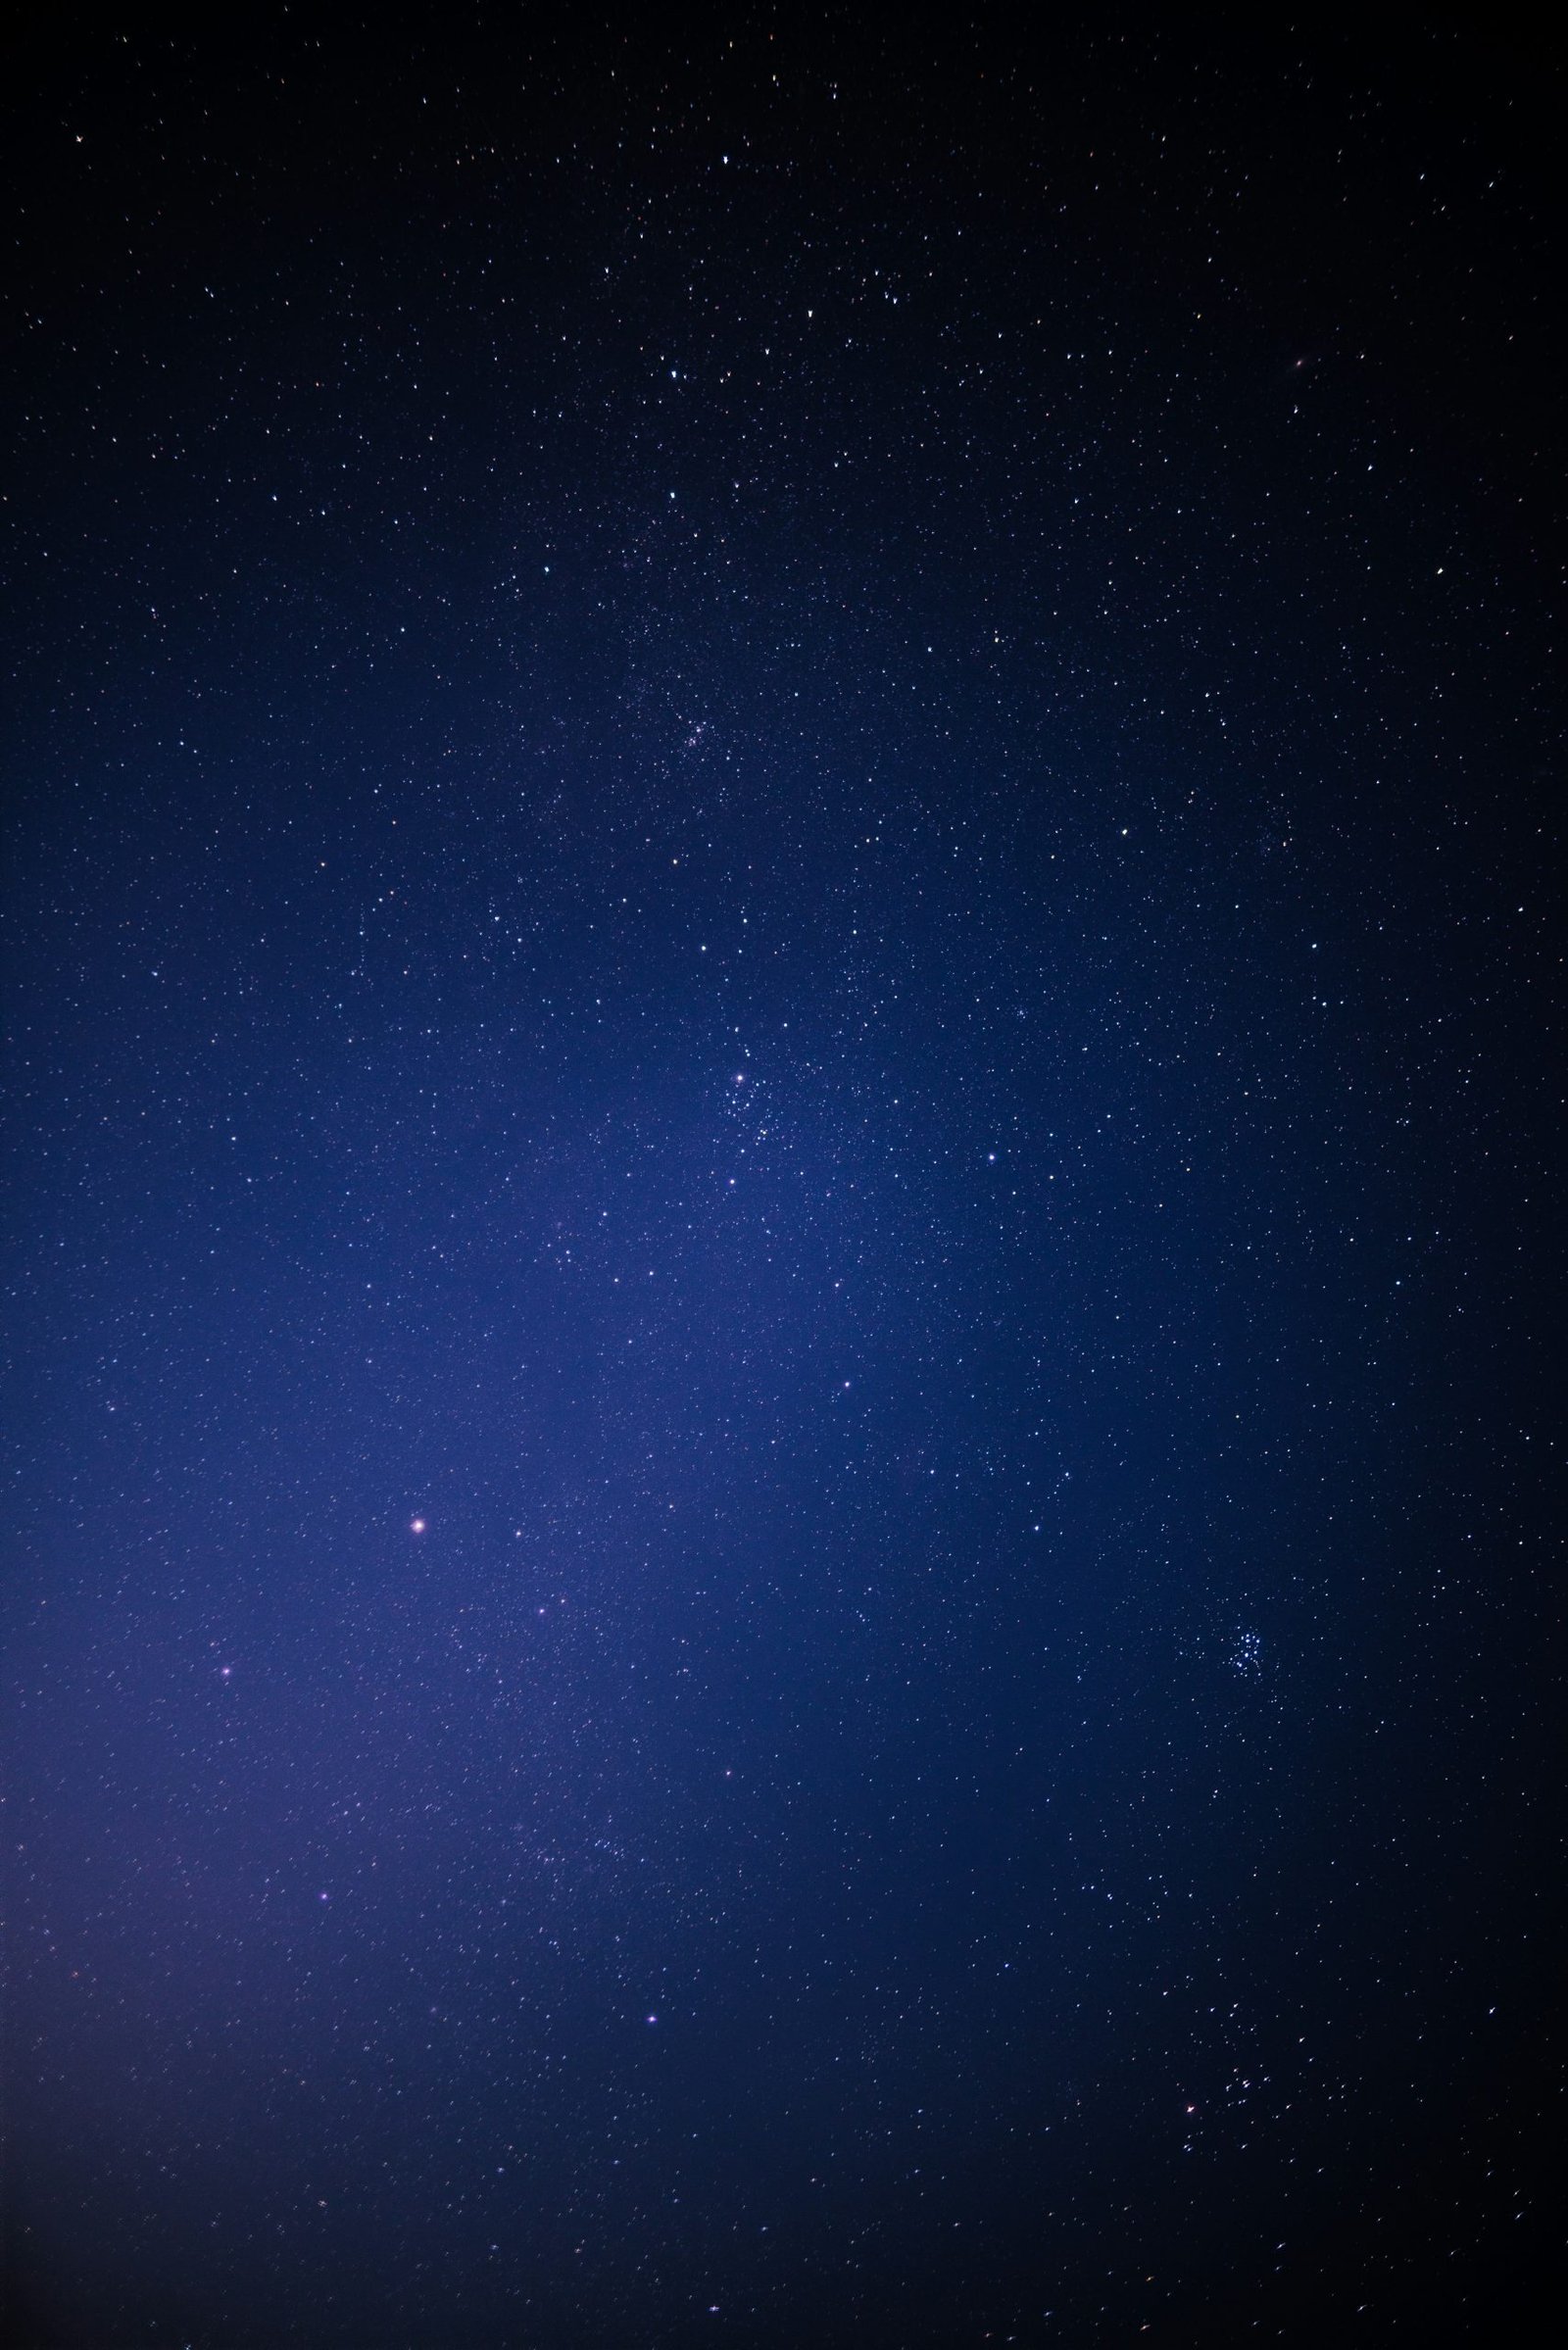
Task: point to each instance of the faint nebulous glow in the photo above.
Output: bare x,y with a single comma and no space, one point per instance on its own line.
1079,1800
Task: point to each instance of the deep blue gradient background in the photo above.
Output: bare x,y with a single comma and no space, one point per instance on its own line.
784,838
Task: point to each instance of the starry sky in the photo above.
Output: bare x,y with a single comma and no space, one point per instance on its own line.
783,1268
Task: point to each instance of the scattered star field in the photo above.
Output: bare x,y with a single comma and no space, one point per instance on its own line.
783,985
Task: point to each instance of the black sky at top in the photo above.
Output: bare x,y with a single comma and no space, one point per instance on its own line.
783,981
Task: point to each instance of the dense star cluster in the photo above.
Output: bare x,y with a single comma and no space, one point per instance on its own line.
783,994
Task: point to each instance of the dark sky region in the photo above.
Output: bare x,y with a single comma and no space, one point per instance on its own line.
783,1269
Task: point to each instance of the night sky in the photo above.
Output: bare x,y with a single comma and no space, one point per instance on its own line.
783,1292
